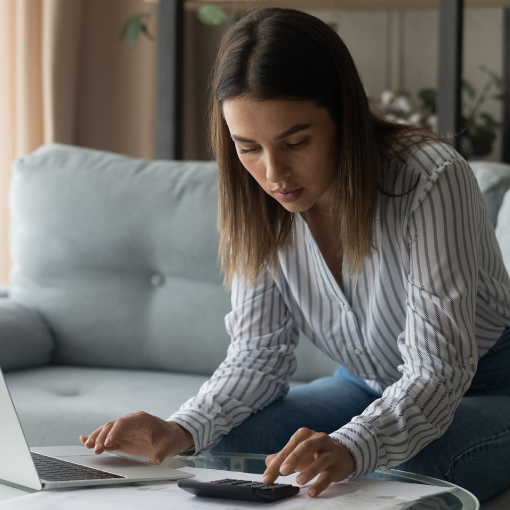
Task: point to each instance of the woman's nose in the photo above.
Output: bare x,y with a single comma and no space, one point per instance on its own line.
276,169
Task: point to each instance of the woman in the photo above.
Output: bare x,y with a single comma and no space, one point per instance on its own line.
372,238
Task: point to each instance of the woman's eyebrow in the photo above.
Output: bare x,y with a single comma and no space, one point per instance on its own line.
292,131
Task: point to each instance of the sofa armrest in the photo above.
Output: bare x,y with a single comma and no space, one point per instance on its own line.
4,291
25,340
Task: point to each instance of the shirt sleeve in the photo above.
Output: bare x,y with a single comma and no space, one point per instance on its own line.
256,371
438,346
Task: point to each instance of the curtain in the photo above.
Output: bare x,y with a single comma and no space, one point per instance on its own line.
66,77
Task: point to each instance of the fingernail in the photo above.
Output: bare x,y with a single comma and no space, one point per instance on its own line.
285,470
312,492
301,479
266,479
97,447
107,441
158,462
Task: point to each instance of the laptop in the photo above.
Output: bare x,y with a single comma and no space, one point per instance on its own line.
60,467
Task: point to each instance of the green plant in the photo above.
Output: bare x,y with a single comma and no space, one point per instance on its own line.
479,128
135,26
211,14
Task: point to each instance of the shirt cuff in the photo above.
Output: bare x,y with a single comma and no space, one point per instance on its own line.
363,446
200,430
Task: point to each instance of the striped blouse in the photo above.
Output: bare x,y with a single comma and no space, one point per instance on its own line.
430,301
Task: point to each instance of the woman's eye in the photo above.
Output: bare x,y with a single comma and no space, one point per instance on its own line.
245,151
297,145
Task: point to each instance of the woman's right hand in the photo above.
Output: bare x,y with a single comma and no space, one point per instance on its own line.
140,434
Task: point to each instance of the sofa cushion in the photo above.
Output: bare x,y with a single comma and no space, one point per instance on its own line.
25,340
503,230
493,180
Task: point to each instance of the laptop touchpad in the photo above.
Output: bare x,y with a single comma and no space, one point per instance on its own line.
125,467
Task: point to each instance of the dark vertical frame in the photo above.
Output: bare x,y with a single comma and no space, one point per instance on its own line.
449,83
169,91
506,81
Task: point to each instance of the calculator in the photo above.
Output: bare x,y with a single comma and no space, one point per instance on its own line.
239,489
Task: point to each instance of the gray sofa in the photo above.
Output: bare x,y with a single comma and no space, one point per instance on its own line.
115,302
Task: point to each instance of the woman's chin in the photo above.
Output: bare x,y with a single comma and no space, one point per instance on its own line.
295,207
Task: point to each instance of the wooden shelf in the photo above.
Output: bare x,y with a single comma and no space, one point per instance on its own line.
348,5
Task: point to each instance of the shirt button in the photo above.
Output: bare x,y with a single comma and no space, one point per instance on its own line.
157,280
471,361
347,308
358,351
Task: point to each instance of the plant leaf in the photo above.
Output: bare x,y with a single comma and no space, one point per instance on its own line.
495,78
145,30
468,89
487,116
500,97
428,100
211,15
131,30
489,119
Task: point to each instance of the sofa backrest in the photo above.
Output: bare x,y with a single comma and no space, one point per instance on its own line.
119,256
494,181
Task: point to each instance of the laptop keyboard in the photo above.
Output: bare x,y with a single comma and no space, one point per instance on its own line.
56,470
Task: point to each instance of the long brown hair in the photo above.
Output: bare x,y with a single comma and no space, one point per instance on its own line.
287,54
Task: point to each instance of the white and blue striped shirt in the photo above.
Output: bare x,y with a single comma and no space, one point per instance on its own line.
433,298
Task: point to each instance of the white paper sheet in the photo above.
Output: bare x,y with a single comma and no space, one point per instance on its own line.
359,500
154,496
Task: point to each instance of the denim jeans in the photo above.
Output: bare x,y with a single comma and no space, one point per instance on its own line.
474,452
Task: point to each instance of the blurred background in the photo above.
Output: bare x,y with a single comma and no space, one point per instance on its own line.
84,72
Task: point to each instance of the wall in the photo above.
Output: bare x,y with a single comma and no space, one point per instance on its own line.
116,86
114,99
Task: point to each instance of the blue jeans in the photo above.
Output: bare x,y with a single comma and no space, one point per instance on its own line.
474,452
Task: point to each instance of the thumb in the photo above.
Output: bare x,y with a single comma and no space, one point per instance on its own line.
156,458
159,453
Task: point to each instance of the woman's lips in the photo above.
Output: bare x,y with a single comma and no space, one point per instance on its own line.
289,196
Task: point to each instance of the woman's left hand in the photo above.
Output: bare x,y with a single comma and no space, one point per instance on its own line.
311,453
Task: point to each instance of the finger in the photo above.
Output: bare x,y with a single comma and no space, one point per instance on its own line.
101,437
270,459
322,483
118,430
84,439
275,468
305,453
91,441
320,464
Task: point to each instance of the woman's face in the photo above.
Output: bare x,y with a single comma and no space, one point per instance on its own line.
289,147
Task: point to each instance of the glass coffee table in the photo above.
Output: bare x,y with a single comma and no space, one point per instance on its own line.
458,499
